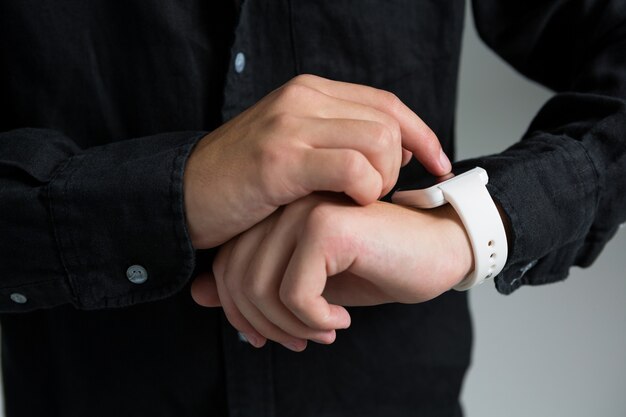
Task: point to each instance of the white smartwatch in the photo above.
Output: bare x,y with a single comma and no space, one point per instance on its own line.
470,198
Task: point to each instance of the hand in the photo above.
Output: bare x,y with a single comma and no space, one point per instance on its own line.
286,278
309,135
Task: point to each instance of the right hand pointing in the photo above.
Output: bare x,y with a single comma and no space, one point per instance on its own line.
311,134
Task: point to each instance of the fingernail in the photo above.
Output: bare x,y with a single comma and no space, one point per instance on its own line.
345,321
444,161
325,339
295,346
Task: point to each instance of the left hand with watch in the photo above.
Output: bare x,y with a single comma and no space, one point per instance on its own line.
289,277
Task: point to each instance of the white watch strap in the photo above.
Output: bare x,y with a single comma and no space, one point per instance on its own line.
473,203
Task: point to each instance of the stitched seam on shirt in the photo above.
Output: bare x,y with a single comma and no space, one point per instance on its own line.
28,285
178,209
588,208
71,238
55,228
549,277
292,39
130,298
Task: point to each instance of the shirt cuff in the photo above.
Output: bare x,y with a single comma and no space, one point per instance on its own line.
119,221
547,186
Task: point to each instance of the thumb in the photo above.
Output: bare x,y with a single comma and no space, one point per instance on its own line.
204,290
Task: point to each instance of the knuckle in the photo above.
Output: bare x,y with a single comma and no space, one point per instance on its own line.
329,226
382,136
293,93
282,122
233,287
394,105
255,289
270,159
304,79
390,101
321,217
354,166
291,299
396,132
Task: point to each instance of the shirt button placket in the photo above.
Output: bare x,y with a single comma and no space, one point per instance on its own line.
240,62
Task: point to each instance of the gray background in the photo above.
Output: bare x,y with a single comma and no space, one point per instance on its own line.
550,351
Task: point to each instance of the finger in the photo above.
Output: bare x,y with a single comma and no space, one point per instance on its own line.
339,170
265,275
302,287
375,140
236,319
312,105
417,137
204,290
348,289
406,157
235,272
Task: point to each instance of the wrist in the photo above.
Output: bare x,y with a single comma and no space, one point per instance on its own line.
505,222
466,192
195,187
456,243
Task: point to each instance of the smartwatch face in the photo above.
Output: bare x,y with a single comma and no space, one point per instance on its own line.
427,180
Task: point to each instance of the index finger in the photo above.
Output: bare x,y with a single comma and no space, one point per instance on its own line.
302,287
417,137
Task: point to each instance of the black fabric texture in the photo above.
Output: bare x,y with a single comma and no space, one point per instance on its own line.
103,101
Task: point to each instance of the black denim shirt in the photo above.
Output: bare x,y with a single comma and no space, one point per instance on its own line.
102,103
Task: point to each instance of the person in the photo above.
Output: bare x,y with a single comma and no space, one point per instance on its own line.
110,221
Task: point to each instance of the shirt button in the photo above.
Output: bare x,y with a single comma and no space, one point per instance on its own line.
137,274
16,297
240,62
242,337
527,268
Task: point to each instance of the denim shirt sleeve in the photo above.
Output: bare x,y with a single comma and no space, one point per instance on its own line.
74,221
563,186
